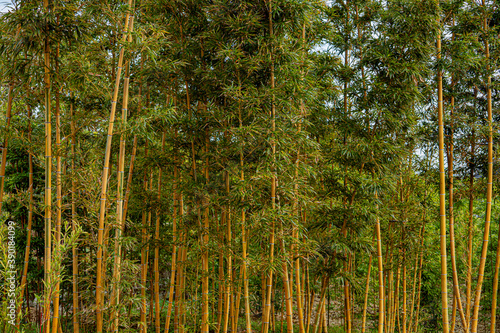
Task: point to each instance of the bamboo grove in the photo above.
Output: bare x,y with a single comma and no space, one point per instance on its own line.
260,166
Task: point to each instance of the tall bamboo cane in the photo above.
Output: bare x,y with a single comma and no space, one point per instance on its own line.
6,142
175,240
48,178
157,249
495,288
381,301
28,228
269,283
206,229
295,208
55,321
456,286
489,188
471,222
129,178
288,296
104,182
76,322
244,236
115,293
367,290
144,253
442,190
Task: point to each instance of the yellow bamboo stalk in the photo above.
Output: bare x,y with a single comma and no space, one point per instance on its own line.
55,321
76,321
174,250
48,179
495,289
206,225
220,301
120,222
180,267
367,290
129,178
6,142
404,293
288,296
269,283
470,230
28,228
104,182
157,249
295,210
324,288
457,299
380,265
442,193
489,188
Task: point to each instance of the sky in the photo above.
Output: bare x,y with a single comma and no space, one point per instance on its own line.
3,5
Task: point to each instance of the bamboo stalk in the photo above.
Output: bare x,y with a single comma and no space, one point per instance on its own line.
28,228
246,297
367,290
380,266
206,225
489,188
129,179
6,142
157,249
269,283
324,284
178,288
470,224
295,210
55,321
104,182
174,250
495,288
220,301
48,178
456,289
120,222
144,220
288,296
442,193
76,321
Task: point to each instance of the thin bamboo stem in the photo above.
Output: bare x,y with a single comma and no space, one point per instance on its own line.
489,188
55,317
76,321
120,225
104,182
367,290
442,193
48,178
6,142
28,228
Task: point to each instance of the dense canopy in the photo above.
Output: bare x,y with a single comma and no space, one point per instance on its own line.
249,166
